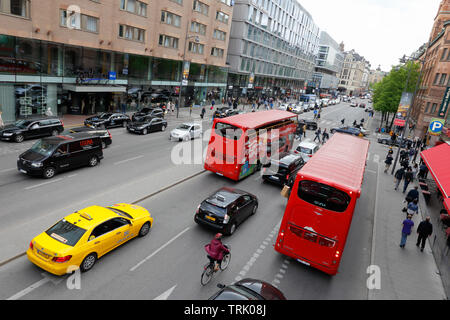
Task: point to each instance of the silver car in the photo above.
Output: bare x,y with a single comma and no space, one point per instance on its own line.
186,131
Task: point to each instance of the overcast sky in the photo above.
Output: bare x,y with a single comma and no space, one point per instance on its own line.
380,30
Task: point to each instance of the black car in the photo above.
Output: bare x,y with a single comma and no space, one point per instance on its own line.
279,171
222,112
399,142
146,125
225,209
51,155
31,128
108,120
248,289
348,130
310,124
145,112
104,134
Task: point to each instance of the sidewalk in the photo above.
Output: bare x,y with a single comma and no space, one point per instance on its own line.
406,274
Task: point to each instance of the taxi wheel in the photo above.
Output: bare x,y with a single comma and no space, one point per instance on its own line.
145,229
49,172
93,161
88,262
231,229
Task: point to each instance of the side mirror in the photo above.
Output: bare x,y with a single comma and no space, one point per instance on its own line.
220,286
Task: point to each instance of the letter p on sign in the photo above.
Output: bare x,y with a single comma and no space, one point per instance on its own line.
436,126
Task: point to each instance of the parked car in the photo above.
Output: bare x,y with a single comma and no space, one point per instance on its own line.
348,130
248,289
145,112
233,112
51,155
226,209
104,134
108,120
307,149
310,124
186,131
32,128
399,142
279,171
146,125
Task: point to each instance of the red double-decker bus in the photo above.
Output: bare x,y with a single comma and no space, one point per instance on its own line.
320,208
240,144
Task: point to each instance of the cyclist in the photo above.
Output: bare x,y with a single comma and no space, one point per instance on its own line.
216,250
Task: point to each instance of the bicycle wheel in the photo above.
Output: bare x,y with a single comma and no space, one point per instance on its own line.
225,261
207,275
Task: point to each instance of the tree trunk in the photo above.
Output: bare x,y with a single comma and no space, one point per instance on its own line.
392,121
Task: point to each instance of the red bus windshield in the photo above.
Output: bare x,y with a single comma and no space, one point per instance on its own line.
240,144
319,212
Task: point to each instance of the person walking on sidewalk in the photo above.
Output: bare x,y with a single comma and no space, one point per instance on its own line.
399,176
325,135
406,230
318,132
412,195
424,230
202,114
412,208
388,162
408,178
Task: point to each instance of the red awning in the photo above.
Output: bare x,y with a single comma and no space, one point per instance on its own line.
437,159
447,204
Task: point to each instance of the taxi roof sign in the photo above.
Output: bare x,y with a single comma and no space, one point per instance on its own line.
85,215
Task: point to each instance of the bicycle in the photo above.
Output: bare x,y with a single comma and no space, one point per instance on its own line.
209,271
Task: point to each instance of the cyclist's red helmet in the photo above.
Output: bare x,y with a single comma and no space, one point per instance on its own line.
218,236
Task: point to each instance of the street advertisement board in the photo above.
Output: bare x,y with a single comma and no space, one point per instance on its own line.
402,111
186,66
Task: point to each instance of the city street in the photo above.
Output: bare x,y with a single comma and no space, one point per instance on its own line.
170,259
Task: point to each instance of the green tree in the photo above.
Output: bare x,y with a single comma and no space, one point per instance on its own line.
388,92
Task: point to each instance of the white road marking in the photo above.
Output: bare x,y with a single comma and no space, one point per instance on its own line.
43,184
6,170
160,248
127,160
29,289
166,294
376,158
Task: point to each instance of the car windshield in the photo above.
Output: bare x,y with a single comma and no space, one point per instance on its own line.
44,147
104,116
183,127
304,150
66,232
209,207
22,123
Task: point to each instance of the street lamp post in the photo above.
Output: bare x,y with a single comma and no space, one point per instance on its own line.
404,60
197,40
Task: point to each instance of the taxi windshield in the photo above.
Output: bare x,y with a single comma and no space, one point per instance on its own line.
66,232
43,147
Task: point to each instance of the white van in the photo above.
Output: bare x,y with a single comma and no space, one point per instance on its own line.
307,149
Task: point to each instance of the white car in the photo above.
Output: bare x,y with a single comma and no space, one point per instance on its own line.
307,149
298,109
283,106
186,131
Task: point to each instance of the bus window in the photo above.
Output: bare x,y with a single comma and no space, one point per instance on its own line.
228,131
323,196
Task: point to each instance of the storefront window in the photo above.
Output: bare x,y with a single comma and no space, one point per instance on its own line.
7,61
31,99
72,61
51,59
139,67
217,74
28,56
167,70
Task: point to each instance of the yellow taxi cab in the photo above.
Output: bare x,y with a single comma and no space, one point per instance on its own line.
79,239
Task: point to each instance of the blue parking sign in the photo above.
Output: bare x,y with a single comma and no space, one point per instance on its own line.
436,126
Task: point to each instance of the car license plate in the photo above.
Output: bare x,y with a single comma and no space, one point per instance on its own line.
47,256
210,218
23,171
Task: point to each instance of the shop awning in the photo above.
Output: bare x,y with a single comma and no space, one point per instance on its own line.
94,88
447,204
437,159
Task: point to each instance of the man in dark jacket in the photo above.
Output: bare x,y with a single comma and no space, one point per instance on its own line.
388,162
408,178
424,230
412,194
399,176
216,250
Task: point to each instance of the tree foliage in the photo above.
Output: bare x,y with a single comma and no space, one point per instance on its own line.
388,92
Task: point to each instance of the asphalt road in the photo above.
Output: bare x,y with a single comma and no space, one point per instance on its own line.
168,262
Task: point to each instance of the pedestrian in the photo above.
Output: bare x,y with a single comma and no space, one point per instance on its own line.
318,132
399,176
415,171
213,103
424,230
1,120
412,195
406,230
423,171
388,162
342,121
408,178
324,135
318,115
412,153
412,208
202,114
304,130
49,112
354,123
